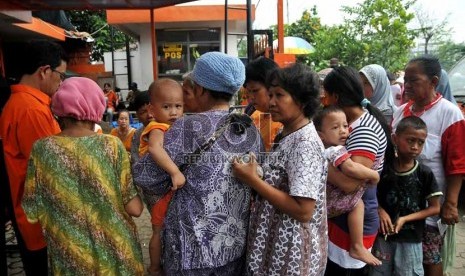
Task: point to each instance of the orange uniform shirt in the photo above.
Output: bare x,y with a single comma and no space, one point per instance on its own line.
127,140
25,118
268,129
112,99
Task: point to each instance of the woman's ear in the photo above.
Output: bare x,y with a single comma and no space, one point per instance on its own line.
435,81
394,139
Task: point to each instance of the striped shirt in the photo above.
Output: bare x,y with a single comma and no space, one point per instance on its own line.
366,138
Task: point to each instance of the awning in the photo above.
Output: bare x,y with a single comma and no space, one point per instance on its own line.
86,4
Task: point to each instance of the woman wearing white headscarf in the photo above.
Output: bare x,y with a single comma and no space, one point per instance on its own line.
377,89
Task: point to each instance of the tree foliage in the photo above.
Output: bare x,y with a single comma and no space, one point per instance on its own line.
449,53
95,21
380,28
374,31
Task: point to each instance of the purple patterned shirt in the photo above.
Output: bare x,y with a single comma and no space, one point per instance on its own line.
207,220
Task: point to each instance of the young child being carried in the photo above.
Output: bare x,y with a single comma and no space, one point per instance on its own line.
332,126
407,194
166,105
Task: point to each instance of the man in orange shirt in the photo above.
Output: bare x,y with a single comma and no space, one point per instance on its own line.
26,118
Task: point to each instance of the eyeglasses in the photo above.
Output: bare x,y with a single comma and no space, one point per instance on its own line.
62,75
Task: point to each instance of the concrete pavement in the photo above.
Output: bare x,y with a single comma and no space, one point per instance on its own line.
145,232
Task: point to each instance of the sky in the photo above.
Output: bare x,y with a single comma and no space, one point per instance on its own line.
330,14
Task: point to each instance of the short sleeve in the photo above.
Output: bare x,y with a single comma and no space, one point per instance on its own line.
305,168
430,184
364,142
453,148
30,197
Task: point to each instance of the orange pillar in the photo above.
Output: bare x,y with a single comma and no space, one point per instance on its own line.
154,46
280,27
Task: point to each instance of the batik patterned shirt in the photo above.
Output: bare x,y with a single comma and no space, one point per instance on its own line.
207,220
79,200
278,243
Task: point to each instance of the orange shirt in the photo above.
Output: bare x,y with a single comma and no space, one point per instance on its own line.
112,99
26,118
144,137
127,140
268,129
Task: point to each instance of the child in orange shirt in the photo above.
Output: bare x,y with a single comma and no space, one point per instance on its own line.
166,105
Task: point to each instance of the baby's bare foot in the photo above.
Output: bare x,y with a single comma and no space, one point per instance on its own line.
361,253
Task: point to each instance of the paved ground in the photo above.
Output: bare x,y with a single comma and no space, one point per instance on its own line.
145,232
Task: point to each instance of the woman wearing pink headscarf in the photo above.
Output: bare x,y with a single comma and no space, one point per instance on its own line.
79,188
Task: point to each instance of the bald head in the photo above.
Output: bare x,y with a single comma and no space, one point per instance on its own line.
160,87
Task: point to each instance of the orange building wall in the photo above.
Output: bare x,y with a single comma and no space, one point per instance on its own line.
177,14
44,28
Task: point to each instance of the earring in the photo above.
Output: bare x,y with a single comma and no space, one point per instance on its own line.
395,152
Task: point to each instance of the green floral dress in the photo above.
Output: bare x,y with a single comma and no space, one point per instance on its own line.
76,188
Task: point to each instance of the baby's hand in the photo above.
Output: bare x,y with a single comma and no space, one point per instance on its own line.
178,181
336,155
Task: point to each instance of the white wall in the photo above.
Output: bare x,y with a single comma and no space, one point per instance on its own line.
121,78
141,62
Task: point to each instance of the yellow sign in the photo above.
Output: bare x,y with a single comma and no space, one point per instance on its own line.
171,47
172,50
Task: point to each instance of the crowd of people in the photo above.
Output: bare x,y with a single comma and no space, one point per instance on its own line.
331,174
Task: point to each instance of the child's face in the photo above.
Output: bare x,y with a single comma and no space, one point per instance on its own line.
258,95
334,129
144,115
410,142
167,105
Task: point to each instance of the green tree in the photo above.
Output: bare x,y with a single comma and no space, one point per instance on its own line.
95,23
449,53
380,29
306,27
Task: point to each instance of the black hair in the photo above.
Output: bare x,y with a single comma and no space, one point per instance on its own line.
122,111
107,84
429,64
323,113
258,69
411,122
141,100
301,83
39,53
391,76
346,83
217,95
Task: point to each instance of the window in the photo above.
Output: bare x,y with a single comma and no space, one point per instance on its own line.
179,49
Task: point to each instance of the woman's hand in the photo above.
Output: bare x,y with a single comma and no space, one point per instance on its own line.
178,180
385,222
449,213
245,171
